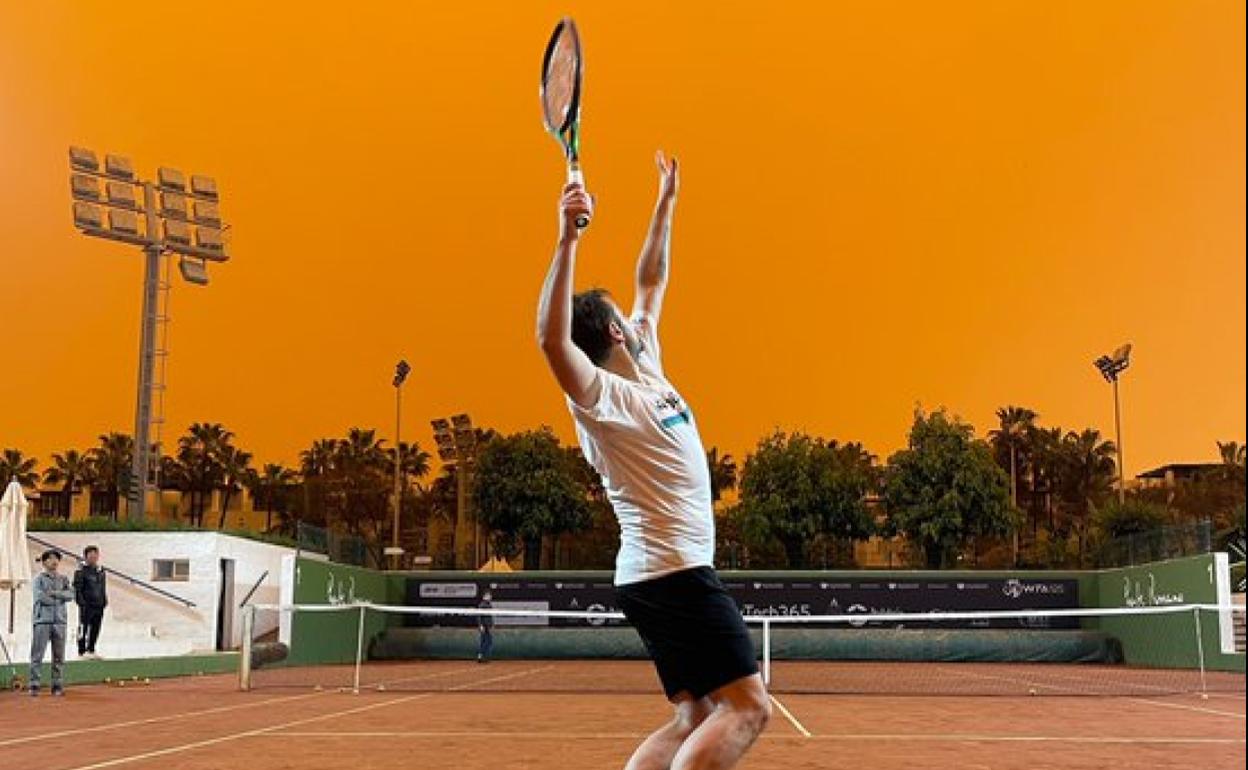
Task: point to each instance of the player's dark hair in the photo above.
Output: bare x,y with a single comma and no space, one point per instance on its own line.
90,550
51,553
592,316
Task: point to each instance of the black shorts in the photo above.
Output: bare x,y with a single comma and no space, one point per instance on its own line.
692,630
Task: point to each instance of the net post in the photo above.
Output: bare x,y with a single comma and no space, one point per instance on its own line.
1200,651
359,650
766,652
244,659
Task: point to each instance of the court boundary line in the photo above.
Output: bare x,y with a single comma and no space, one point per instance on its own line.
1133,699
201,712
918,738
789,715
260,731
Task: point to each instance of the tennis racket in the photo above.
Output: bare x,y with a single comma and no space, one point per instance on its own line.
561,97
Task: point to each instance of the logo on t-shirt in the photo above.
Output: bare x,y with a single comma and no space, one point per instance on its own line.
672,410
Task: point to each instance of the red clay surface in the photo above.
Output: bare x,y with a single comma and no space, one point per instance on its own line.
205,722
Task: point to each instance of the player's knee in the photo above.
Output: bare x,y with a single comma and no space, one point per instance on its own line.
758,713
690,714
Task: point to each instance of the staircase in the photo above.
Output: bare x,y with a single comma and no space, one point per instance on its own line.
1238,618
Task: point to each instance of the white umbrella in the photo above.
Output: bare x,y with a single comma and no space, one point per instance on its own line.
14,558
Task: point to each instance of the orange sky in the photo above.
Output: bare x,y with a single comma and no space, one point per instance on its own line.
883,203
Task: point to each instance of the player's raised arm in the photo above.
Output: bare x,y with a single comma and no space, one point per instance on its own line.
576,374
654,262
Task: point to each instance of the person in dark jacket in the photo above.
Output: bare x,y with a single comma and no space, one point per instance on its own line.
485,629
91,595
52,593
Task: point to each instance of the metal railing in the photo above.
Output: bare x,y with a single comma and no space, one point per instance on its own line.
128,578
255,587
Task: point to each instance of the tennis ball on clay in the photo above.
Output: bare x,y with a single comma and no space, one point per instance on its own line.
1032,691
121,682
318,688
134,679
147,680
1204,696
108,680
381,688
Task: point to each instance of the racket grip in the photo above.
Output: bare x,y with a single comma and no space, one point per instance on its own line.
575,176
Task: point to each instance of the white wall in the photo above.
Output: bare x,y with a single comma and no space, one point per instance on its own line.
138,623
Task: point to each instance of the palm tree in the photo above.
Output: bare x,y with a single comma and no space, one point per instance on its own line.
1016,424
1046,467
1089,471
199,452
110,468
316,465
1234,458
723,470
415,460
70,469
269,489
234,465
15,466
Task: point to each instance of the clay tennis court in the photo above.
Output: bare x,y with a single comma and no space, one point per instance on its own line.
474,721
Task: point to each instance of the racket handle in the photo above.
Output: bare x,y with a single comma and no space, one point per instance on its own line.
576,177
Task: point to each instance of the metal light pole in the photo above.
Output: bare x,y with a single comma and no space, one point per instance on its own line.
1110,367
395,551
171,214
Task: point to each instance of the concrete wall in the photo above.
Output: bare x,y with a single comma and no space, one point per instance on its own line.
139,623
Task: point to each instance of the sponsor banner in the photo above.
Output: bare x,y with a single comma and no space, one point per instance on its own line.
775,596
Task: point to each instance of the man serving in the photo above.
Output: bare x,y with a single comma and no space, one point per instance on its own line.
641,436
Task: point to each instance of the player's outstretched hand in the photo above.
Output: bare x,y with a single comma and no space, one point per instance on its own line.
669,176
575,203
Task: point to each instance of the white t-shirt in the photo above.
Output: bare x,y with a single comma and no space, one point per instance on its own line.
643,440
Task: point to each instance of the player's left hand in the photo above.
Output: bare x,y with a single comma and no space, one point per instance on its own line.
669,176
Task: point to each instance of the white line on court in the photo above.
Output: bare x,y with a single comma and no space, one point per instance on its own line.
789,715
154,720
935,738
1186,707
201,712
1149,701
294,723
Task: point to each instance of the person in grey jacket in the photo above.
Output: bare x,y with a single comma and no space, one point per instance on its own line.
52,592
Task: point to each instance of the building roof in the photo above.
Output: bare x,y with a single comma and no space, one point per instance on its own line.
1179,470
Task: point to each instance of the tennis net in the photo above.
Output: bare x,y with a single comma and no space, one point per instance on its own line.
1142,651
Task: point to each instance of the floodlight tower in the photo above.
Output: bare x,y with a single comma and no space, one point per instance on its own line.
395,551
457,446
1110,367
162,218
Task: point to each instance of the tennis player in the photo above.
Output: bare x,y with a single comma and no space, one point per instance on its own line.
639,433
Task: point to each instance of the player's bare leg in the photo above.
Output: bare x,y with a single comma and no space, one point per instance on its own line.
657,752
742,710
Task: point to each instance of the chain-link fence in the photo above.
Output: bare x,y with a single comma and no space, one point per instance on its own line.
1170,542
338,547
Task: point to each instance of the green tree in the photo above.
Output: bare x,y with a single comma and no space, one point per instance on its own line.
15,466
1133,517
945,490
1010,441
723,471
1088,471
110,468
201,472
235,468
70,469
525,489
316,468
795,487
271,490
